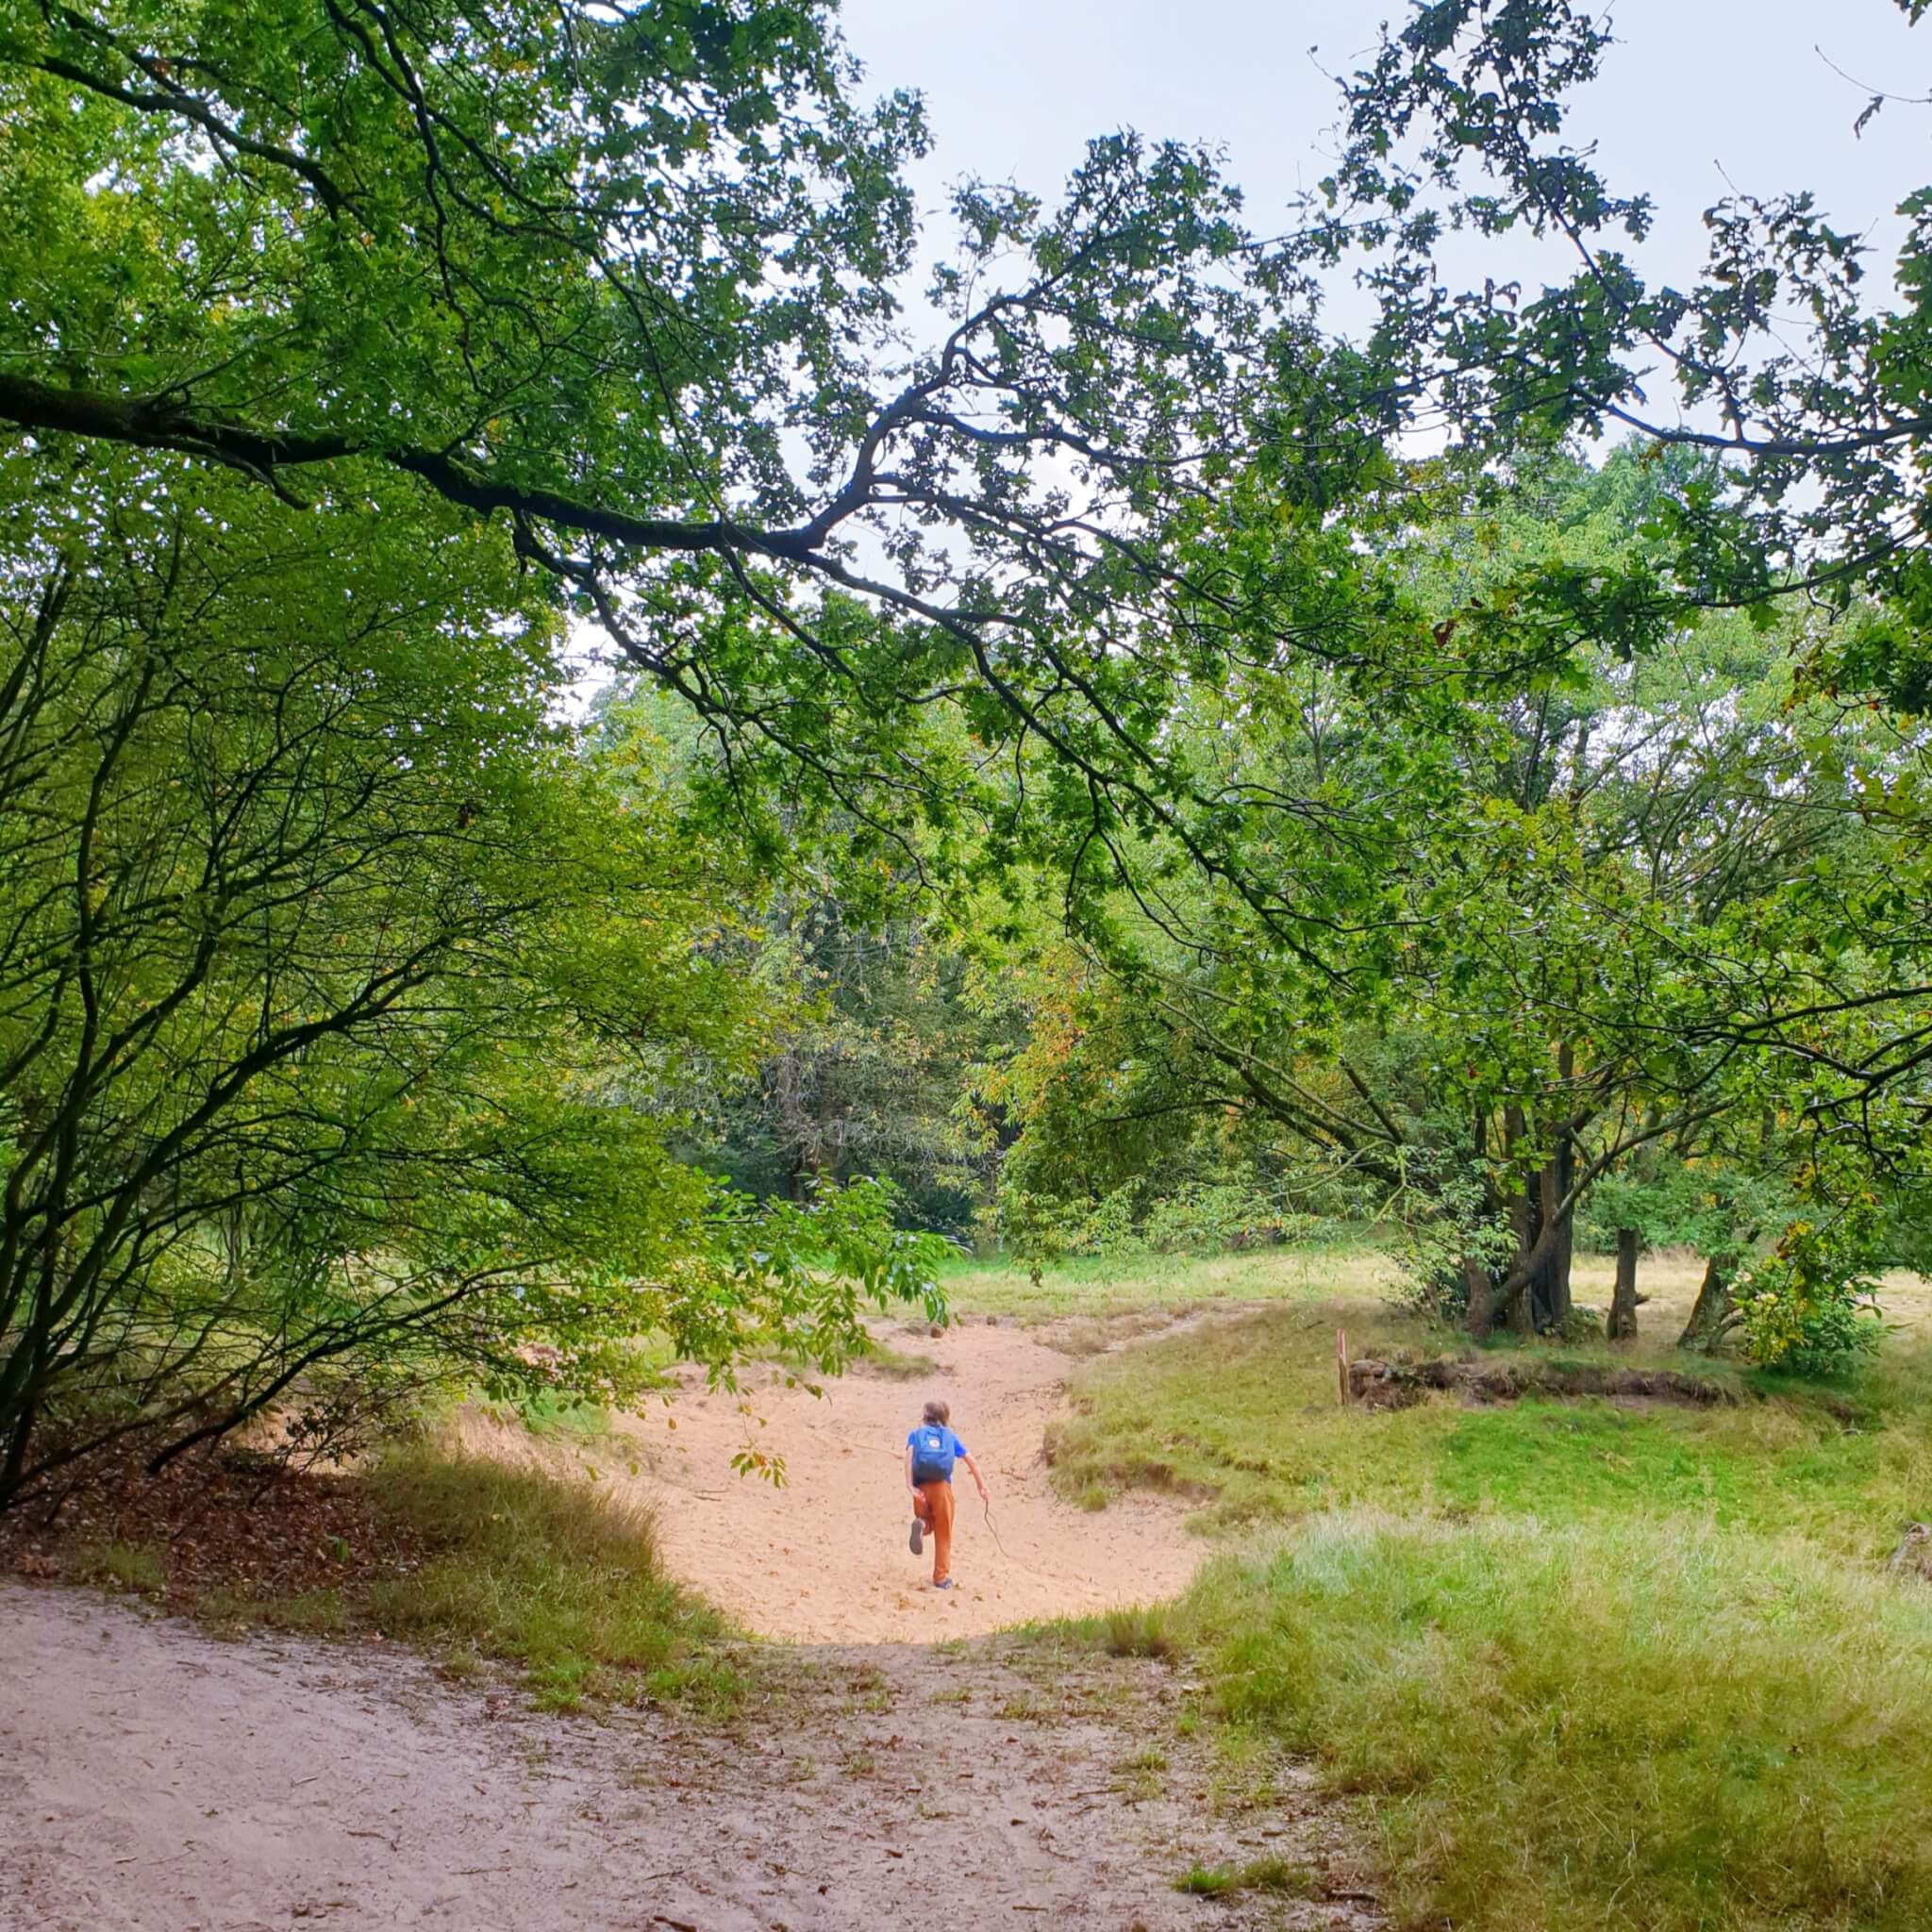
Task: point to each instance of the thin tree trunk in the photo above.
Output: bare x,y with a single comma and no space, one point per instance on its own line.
1712,1315
1564,1165
1517,1307
1622,1322
1560,1173
19,1430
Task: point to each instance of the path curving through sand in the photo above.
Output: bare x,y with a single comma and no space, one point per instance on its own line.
824,1559
155,1779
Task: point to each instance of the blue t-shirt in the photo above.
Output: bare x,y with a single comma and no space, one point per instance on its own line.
953,1442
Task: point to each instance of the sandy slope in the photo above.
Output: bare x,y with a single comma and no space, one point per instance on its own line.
824,1559
152,1779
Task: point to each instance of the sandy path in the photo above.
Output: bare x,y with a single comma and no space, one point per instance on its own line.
152,1779
824,1559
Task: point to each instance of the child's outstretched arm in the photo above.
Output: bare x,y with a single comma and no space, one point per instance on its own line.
973,1467
912,1486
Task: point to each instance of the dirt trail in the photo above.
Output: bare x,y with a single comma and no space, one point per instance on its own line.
824,1559
155,1780
152,1779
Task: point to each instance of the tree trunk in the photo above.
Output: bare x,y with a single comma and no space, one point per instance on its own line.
1548,1300
19,1432
1480,1316
1712,1314
1622,1322
1557,1177
1564,1166
1514,1296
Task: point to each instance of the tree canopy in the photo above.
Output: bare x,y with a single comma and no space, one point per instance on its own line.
1104,746
337,986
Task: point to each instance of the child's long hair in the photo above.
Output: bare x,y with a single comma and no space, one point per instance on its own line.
938,1412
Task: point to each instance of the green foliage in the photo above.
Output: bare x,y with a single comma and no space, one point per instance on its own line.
1196,1217
346,1003
1206,1218
1810,1306
1713,1207
628,282
1549,969
1464,123
865,1058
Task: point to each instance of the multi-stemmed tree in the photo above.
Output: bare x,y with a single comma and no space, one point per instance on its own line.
335,988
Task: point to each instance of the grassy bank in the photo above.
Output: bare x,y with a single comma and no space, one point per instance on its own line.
465,1556
1242,1418
552,1574
1584,1665
1602,1725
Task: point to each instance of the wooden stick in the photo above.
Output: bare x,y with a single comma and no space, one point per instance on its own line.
1341,1365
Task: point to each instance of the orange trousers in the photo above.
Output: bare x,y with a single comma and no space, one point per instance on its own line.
932,1503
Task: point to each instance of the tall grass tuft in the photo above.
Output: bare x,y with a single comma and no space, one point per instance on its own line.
1598,1727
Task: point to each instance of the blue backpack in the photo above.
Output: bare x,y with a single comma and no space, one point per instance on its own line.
932,1455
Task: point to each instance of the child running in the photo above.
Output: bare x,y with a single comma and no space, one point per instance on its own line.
931,1450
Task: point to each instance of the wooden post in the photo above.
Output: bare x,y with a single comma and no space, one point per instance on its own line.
1341,1365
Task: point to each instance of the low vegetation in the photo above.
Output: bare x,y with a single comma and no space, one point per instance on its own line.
1609,1724
560,1578
1582,1664
466,1558
1336,1260
1261,1875
1243,1419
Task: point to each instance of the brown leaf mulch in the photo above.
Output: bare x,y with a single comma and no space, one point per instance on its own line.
225,1524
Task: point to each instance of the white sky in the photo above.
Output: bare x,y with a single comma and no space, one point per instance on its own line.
1697,90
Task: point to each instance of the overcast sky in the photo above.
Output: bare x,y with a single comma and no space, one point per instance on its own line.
1697,89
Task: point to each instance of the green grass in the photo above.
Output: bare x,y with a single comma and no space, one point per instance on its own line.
1243,1419
122,1566
316,1613
555,1575
1341,1263
561,1579
881,1358
1261,1875
544,1415
1582,1665
1601,1726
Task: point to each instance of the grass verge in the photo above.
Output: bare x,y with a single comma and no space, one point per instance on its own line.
561,1578
1595,1727
461,1555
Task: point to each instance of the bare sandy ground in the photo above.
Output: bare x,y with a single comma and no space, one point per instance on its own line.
824,1559
154,1779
